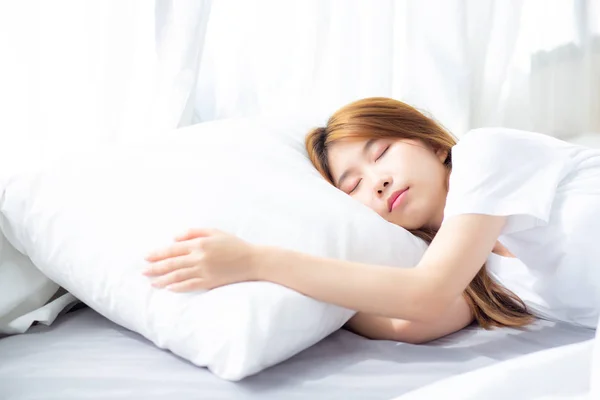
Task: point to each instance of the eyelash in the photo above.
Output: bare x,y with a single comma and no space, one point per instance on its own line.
355,187
381,155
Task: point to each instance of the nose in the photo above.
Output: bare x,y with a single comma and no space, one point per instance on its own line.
383,185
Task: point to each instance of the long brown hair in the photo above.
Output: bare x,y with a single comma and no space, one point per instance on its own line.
379,117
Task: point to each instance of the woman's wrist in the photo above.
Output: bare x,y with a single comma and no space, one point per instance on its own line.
259,262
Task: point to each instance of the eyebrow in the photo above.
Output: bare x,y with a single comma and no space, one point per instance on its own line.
365,150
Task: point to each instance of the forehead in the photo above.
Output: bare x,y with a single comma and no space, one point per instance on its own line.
342,147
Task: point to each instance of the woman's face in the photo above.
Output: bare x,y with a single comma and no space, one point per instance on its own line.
403,180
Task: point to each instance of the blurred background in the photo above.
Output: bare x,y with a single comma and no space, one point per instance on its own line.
102,70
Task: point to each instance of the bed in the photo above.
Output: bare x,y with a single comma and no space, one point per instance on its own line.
85,356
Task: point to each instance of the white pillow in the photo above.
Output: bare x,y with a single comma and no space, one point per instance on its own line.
23,289
88,220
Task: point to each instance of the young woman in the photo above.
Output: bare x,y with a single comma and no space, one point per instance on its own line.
498,190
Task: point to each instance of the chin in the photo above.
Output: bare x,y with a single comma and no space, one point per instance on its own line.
413,225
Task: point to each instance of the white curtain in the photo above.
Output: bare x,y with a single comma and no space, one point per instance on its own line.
81,70
97,70
529,64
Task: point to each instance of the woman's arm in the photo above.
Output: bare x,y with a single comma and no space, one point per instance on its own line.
420,294
458,316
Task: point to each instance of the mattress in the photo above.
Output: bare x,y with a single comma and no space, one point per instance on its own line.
85,356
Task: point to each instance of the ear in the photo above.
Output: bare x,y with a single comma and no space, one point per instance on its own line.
442,155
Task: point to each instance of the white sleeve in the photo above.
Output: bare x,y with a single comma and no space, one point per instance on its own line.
506,172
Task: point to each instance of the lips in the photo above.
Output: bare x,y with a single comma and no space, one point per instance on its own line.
394,197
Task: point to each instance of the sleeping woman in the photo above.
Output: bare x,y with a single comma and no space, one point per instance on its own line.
513,193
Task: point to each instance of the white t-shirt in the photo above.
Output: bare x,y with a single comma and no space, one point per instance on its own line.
550,192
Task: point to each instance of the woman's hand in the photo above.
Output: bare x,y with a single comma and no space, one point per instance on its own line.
202,259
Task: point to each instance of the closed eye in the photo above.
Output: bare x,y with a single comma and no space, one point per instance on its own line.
382,153
355,186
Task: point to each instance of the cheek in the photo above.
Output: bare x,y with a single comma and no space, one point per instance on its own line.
422,167
398,161
437,176
363,197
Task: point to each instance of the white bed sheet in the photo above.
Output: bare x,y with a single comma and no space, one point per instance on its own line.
85,356
558,373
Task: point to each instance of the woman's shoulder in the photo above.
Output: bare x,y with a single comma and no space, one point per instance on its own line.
500,171
492,144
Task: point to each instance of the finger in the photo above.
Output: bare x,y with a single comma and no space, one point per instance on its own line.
195,233
189,285
177,276
169,265
175,250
